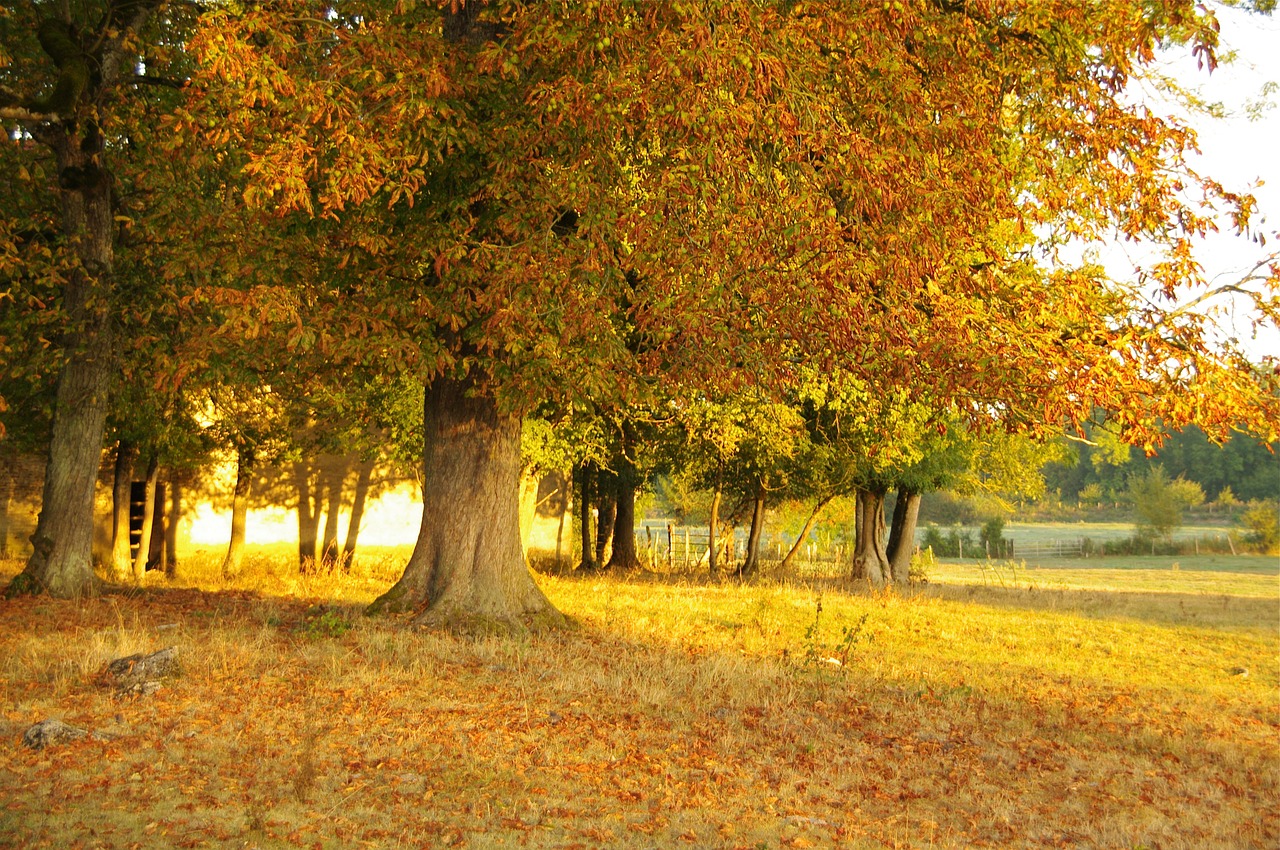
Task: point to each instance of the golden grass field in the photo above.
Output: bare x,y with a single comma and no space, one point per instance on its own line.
993,707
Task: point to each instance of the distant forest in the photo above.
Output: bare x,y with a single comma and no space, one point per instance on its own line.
1101,472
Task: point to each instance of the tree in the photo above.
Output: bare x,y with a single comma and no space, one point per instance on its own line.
71,87
564,201
1159,502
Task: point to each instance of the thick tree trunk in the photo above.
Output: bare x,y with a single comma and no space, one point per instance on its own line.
245,462
790,557
870,561
61,562
902,535
624,554
148,519
333,480
121,493
358,501
586,472
308,516
751,564
467,567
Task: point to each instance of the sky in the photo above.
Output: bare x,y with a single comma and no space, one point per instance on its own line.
1240,151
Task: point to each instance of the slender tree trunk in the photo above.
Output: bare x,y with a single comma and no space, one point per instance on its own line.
528,509
467,568
308,515
902,535
713,527
8,485
566,504
358,501
333,479
148,518
245,463
121,493
61,562
607,506
171,529
870,561
751,564
790,557
584,509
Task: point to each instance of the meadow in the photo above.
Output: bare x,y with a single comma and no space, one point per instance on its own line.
994,705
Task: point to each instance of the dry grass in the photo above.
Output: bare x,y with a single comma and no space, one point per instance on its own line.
676,715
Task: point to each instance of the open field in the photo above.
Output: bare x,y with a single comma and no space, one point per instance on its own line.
1101,711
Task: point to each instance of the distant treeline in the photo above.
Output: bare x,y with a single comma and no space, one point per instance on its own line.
1249,468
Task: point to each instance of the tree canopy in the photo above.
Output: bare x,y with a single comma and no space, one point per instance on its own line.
570,203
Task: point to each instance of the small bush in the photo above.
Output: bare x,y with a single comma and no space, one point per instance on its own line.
1262,525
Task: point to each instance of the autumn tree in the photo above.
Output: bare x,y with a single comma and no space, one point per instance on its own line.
77,83
528,202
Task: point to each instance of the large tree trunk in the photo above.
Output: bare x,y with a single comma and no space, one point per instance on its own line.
245,462
751,564
624,554
870,561
624,522
121,493
790,557
358,501
61,563
902,535
148,518
467,568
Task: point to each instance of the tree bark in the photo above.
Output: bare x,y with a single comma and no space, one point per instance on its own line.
308,516
751,564
148,519
713,526
467,568
61,561
790,557
171,528
607,506
333,480
902,535
528,509
584,505
870,561
121,493
624,555
358,501
245,462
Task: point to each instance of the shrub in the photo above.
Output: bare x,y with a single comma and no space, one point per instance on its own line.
1262,525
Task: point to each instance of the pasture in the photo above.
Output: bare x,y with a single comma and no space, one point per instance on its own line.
993,706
